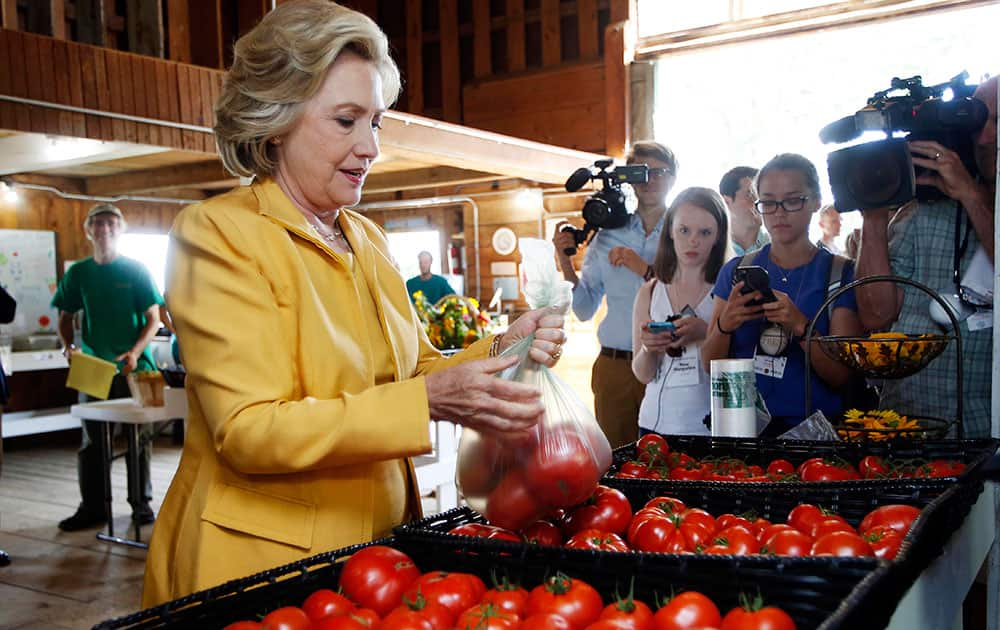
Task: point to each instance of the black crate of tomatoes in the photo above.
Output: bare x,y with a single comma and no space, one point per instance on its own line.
740,460
372,587
901,525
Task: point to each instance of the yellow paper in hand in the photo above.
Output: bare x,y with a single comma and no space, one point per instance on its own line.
91,375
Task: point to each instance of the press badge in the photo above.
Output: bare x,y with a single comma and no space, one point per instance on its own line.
684,370
773,367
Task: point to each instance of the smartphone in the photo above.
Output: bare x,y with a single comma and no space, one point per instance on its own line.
755,278
661,327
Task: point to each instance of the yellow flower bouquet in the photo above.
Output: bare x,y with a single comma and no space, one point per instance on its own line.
455,322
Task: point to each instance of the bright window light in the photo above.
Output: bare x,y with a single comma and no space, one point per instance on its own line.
150,250
742,104
406,245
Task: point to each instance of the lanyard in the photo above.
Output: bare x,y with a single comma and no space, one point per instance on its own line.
960,249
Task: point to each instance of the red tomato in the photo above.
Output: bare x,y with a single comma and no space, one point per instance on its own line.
690,609
376,577
884,542
736,540
873,467
343,622
607,510
476,530
402,618
542,533
670,505
486,617
691,472
628,614
780,467
768,532
513,504
633,469
562,471
652,449
841,544
824,470
596,540
508,597
454,591
368,617
679,533
789,542
766,618
829,525
326,603
728,520
574,600
677,459
243,625
804,517
287,618
897,517
545,621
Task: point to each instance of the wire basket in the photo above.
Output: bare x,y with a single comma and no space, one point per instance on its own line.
885,355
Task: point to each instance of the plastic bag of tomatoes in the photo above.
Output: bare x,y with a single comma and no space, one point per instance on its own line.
515,480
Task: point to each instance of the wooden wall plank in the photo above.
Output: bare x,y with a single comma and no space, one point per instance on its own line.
205,25
207,116
137,88
90,22
8,119
515,35
75,72
451,82
617,91
169,136
60,78
88,77
57,13
157,135
8,14
178,31
586,11
481,40
414,57
535,92
34,81
110,127
183,91
145,27
19,82
113,75
48,77
551,35
622,10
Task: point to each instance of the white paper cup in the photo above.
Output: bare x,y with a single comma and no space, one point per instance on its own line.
734,394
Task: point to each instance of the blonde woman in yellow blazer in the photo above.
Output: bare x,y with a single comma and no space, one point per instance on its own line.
310,379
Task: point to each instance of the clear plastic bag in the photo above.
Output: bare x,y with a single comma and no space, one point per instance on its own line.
515,480
815,427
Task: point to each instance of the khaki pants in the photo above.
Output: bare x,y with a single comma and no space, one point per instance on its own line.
617,397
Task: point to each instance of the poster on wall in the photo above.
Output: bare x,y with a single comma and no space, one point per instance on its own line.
28,272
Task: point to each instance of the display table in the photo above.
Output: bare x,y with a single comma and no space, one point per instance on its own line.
127,412
935,599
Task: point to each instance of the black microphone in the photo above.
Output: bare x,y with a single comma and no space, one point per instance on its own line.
576,181
843,130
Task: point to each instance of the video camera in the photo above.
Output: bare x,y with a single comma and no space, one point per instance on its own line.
605,209
881,173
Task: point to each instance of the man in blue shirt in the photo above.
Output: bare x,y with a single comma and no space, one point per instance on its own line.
615,265
434,286
746,230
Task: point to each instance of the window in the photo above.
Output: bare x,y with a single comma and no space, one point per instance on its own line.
742,104
150,250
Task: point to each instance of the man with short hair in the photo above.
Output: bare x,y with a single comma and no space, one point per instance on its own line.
746,228
615,265
433,286
121,314
935,244
829,223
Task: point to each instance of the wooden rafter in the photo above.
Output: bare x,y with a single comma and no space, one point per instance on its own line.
191,175
425,178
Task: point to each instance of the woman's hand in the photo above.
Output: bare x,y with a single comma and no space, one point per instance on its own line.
784,312
654,341
737,310
470,394
547,326
689,330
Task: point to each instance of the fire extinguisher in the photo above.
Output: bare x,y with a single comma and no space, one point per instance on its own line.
455,257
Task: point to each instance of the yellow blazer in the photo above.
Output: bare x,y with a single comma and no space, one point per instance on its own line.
287,434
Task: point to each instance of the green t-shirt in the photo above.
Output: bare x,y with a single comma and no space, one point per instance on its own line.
114,299
434,289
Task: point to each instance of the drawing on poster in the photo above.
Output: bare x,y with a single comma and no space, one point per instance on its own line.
28,273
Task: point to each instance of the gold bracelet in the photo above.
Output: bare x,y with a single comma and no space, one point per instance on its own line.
495,346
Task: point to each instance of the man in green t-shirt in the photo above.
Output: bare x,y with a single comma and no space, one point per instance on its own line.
434,286
120,305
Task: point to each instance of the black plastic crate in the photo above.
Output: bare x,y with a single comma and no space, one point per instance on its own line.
761,451
811,590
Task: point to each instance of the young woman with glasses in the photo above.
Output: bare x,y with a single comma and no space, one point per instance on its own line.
800,275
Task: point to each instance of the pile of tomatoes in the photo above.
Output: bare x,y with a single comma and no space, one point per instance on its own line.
666,525
654,460
382,589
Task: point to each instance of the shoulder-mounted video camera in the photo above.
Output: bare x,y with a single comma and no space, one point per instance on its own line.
605,209
881,173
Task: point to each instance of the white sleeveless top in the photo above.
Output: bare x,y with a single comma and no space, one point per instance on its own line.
669,407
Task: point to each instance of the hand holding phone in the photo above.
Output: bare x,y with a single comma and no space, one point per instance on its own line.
661,327
754,278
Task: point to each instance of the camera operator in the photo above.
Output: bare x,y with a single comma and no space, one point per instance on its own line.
616,264
935,245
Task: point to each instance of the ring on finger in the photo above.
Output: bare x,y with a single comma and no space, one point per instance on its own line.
937,156
558,351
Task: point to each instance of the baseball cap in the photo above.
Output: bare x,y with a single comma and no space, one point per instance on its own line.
105,208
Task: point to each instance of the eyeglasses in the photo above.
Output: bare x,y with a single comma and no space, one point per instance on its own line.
770,206
659,172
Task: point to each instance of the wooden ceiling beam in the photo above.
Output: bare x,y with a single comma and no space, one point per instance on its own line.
65,184
425,178
431,141
191,175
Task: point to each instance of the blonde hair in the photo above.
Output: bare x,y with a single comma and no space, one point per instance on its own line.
280,64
